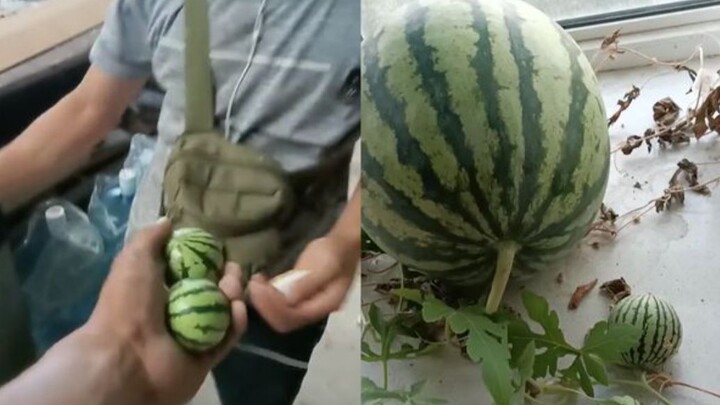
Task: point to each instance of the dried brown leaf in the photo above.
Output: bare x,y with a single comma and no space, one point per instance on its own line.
616,289
691,72
677,193
690,171
666,112
674,193
610,40
624,104
605,222
607,214
672,135
662,203
633,142
580,293
707,117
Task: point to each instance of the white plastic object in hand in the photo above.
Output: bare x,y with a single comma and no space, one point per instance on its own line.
284,282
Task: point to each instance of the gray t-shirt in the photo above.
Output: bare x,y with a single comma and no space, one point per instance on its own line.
294,104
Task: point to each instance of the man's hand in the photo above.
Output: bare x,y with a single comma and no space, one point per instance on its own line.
331,267
130,315
124,353
331,262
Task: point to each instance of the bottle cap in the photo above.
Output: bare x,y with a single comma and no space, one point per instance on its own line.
54,213
127,179
56,220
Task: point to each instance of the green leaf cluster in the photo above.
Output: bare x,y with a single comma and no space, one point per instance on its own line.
511,351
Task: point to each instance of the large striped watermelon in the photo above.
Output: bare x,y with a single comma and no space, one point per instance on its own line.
485,143
198,314
661,329
194,253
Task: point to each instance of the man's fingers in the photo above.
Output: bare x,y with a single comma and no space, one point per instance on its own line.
231,286
231,282
152,239
323,303
272,306
238,319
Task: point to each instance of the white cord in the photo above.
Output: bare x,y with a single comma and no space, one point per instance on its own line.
273,356
252,349
255,39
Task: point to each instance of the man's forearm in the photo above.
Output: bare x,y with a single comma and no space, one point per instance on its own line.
50,149
79,370
62,139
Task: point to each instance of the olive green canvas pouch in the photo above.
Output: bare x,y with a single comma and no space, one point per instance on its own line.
229,190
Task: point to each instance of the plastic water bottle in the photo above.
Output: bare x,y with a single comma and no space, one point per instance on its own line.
110,205
142,150
67,250
108,211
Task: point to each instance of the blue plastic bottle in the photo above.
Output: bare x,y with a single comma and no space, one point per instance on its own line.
110,205
109,210
67,250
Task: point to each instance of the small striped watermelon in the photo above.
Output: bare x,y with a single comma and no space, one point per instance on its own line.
485,140
194,253
662,331
198,314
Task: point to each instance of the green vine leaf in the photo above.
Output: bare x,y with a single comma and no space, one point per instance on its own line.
389,331
371,392
596,368
367,352
374,394
577,372
602,345
376,320
551,341
525,364
434,310
409,294
524,370
487,343
608,342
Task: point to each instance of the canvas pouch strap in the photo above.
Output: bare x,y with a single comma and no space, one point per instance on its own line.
230,190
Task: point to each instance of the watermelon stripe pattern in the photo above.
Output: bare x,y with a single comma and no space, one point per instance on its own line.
662,332
189,292
194,253
482,123
198,314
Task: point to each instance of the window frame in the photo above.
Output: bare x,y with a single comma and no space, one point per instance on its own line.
637,13
670,36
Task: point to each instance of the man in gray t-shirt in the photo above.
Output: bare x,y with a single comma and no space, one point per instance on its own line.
298,104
